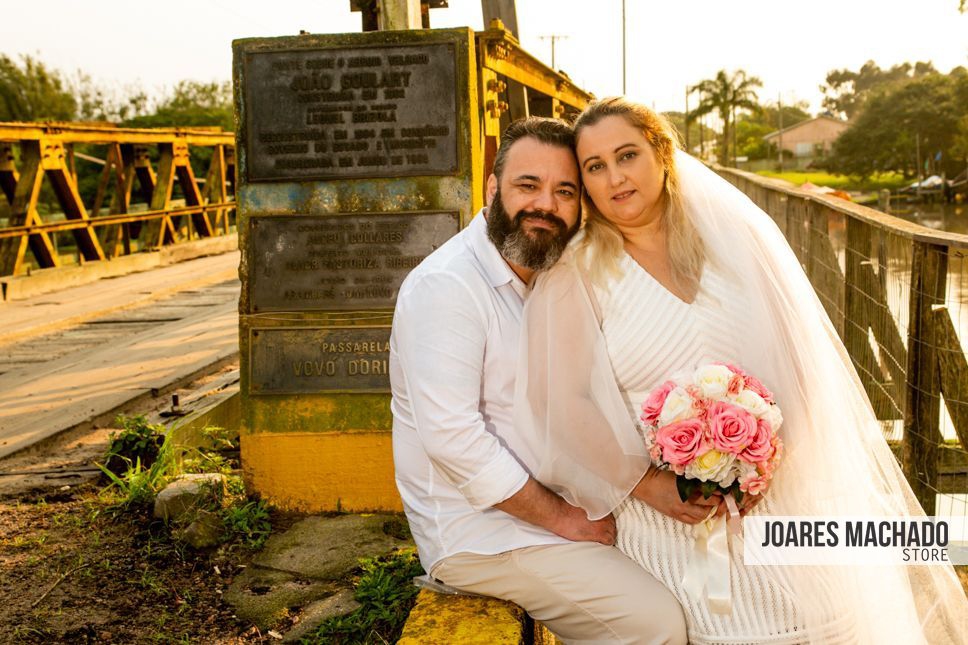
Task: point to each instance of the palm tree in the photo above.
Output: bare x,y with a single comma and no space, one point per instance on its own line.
724,95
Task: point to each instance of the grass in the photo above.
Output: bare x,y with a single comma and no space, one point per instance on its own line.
877,181
245,521
386,593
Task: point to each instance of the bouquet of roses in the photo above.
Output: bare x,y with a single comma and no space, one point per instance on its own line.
716,429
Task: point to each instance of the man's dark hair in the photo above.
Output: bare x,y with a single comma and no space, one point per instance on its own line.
550,131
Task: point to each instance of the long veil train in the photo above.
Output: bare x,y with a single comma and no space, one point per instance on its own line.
577,436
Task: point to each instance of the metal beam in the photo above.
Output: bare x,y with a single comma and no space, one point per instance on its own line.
503,10
73,133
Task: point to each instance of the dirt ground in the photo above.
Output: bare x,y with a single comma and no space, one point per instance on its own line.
72,571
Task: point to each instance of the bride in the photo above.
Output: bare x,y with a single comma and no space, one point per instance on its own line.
676,268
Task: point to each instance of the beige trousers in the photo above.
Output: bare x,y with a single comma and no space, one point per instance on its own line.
584,592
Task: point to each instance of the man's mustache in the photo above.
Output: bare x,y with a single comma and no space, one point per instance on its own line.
551,219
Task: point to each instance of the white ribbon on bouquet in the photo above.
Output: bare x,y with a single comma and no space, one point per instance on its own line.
708,566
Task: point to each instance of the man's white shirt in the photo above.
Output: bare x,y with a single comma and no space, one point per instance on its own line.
453,356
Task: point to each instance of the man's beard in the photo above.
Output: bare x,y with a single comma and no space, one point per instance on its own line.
536,250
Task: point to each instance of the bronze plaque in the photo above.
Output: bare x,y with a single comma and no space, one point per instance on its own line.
339,262
302,360
335,113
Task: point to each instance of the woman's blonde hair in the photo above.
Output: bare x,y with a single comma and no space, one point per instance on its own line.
601,246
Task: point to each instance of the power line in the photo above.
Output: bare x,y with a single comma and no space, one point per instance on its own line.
553,38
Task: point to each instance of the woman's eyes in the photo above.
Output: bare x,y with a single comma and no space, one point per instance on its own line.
625,156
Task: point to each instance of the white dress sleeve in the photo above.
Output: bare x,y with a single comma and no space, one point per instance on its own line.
574,427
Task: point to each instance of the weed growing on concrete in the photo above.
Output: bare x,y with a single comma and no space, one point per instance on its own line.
249,523
138,484
386,592
137,441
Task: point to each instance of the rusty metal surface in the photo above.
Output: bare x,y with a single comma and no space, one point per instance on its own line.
339,262
500,52
345,112
105,228
315,360
82,133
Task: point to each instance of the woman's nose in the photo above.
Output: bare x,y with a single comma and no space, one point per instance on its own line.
615,176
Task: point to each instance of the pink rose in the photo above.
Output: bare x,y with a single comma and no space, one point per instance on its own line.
732,427
680,441
754,485
652,407
760,447
754,384
735,385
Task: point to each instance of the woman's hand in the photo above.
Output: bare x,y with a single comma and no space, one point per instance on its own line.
658,490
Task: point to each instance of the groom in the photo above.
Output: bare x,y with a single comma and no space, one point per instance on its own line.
480,521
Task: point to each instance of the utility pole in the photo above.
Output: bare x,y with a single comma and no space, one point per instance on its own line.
553,38
623,48
687,119
779,113
917,143
734,137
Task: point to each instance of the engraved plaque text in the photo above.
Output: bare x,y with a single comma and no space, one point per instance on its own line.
339,262
319,360
385,111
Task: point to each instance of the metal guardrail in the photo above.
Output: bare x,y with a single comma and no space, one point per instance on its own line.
896,292
31,152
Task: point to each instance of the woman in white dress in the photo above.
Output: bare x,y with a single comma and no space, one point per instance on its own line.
676,268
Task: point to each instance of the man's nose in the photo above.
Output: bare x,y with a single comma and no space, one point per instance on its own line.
545,201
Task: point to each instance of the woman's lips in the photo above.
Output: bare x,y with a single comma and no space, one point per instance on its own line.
621,197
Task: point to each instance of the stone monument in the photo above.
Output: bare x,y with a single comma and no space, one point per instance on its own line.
358,155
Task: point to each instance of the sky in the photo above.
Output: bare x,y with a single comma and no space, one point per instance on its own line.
669,45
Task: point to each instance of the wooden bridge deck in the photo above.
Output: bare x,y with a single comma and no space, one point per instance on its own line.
72,356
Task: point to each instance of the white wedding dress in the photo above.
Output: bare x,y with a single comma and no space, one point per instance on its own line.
651,335
585,369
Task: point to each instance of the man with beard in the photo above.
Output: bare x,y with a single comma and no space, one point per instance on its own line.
481,522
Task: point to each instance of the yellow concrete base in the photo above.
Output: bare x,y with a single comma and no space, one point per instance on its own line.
317,472
442,618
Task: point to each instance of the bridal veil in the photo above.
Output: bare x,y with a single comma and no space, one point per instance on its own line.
577,437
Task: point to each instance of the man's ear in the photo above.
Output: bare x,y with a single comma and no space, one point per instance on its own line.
491,188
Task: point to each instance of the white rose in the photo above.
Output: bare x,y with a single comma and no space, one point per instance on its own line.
751,402
713,380
773,416
713,466
677,406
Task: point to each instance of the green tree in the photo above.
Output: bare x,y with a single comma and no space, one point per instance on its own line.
191,103
724,95
97,102
900,120
753,126
846,91
30,91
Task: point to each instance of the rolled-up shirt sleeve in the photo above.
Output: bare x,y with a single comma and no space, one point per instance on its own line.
439,334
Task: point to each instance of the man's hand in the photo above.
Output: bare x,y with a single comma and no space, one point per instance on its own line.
577,527
658,490
536,504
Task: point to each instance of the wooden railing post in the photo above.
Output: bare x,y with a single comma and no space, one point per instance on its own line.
922,432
